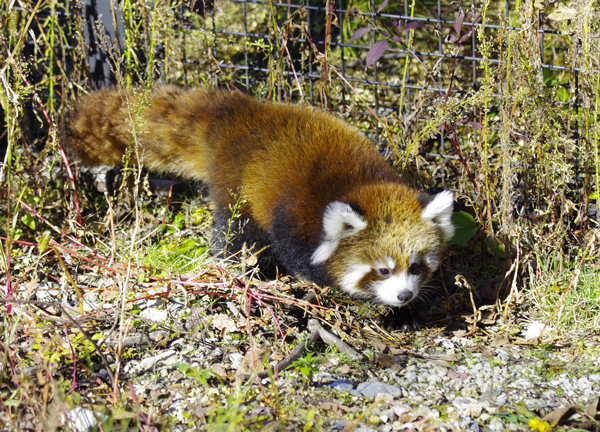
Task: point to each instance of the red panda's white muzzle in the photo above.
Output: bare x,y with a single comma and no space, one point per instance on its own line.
398,289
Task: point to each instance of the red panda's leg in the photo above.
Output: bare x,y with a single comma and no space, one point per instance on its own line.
230,233
294,251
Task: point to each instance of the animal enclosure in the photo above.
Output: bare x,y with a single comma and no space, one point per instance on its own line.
497,101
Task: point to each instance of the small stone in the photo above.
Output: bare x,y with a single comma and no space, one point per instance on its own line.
399,410
236,360
433,379
496,425
493,393
154,315
467,407
155,303
374,420
341,385
474,427
373,388
81,419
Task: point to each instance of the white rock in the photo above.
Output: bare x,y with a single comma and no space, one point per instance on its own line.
154,315
80,419
236,360
496,425
167,357
534,330
446,343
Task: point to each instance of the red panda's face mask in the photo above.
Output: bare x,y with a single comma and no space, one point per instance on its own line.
387,252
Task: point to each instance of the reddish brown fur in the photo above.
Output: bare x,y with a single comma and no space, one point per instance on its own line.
290,163
194,133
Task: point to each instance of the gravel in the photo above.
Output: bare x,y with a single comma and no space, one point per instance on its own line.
428,380
498,391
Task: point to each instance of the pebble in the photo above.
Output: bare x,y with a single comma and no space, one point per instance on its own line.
80,419
154,314
134,368
496,425
474,390
341,385
374,388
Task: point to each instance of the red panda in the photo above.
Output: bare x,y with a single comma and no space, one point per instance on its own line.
311,186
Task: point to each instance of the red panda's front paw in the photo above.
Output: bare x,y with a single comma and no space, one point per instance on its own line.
403,319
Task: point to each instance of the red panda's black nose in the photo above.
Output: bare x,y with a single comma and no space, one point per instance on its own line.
405,296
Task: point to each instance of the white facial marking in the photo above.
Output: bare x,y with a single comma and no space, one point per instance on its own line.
397,290
339,221
354,274
413,258
391,263
431,260
324,251
439,212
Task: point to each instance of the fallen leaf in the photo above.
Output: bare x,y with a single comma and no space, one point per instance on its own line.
223,323
335,407
252,260
218,369
500,341
442,357
592,410
252,362
386,360
556,416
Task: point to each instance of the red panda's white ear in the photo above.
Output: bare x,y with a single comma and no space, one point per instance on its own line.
439,212
339,221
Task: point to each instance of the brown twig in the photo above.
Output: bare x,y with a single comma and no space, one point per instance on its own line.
316,331
62,263
514,291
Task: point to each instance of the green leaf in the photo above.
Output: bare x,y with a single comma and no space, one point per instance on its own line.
550,79
44,240
179,221
466,228
562,94
17,233
28,220
496,247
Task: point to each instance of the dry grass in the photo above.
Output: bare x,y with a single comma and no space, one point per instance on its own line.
519,145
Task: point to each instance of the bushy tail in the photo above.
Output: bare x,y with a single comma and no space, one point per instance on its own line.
167,129
98,131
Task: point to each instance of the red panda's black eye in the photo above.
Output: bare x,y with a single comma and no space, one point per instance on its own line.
384,271
415,269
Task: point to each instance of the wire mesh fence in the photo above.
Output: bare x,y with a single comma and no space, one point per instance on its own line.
423,56
492,99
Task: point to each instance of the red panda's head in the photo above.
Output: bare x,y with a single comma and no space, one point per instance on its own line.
384,241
